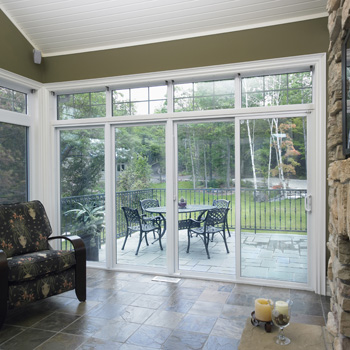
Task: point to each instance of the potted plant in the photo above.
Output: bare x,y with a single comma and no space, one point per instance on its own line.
182,203
90,223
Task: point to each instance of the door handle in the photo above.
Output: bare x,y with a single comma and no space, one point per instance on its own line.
308,203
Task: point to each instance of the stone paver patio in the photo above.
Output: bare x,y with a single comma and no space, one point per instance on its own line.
264,255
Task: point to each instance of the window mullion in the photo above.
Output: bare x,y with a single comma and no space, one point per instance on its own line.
170,96
238,91
109,102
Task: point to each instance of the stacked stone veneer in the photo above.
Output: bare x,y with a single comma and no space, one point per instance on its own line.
338,323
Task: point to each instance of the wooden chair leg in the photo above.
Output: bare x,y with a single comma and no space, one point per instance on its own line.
80,274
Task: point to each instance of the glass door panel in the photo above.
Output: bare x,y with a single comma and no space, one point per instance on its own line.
140,175
13,163
83,188
206,169
273,189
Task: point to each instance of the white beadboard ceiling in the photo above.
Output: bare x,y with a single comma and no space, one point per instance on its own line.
57,27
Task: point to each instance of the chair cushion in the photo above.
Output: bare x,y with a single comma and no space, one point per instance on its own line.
24,228
26,292
32,265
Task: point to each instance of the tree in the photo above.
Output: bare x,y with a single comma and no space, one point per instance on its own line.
82,162
136,176
287,162
13,163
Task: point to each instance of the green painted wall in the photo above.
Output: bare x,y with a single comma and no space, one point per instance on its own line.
16,54
292,39
285,40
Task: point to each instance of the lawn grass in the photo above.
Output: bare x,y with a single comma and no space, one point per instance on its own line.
280,216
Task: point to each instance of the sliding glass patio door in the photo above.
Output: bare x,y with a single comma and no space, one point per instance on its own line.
273,193
140,176
206,168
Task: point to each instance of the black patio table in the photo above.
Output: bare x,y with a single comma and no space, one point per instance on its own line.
190,208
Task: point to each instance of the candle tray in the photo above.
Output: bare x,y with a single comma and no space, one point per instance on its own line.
255,322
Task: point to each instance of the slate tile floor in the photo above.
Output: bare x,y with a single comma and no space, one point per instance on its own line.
129,311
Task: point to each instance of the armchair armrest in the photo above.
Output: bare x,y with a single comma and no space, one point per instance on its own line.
3,286
80,269
77,242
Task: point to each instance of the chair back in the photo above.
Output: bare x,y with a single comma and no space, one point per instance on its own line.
215,217
132,217
221,203
148,203
24,228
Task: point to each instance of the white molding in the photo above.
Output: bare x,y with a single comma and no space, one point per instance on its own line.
319,154
17,81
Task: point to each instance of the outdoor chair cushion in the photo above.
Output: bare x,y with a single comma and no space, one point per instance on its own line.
33,265
24,228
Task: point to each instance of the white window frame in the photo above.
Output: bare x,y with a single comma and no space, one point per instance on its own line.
317,249
32,118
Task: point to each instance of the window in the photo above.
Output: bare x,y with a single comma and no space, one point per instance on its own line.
137,101
13,163
204,95
13,100
275,90
79,106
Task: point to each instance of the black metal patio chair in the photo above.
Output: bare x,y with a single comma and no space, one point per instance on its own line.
214,222
135,223
223,203
151,217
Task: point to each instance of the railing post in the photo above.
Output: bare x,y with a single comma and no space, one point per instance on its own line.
254,197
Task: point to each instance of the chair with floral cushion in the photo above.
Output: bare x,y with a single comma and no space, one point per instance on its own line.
30,269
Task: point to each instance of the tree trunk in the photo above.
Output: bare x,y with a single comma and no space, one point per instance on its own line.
192,164
279,155
251,146
228,166
270,154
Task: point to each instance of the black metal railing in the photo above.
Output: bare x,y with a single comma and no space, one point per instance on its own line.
261,210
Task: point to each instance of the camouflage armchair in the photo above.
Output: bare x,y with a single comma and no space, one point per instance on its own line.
30,269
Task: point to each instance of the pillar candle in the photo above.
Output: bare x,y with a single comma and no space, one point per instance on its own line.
263,309
282,307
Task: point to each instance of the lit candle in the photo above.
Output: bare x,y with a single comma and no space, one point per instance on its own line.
282,307
263,309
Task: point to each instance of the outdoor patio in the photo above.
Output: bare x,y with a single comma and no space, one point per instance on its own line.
264,255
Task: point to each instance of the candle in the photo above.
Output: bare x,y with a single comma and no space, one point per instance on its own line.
263,309
282,307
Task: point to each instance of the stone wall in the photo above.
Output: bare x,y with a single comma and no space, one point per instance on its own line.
338,323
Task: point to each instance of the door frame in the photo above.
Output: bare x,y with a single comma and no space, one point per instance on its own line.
312,254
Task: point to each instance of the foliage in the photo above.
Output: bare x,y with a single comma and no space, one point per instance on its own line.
205,150
136,176
80,106
13,165
89,219
82,161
